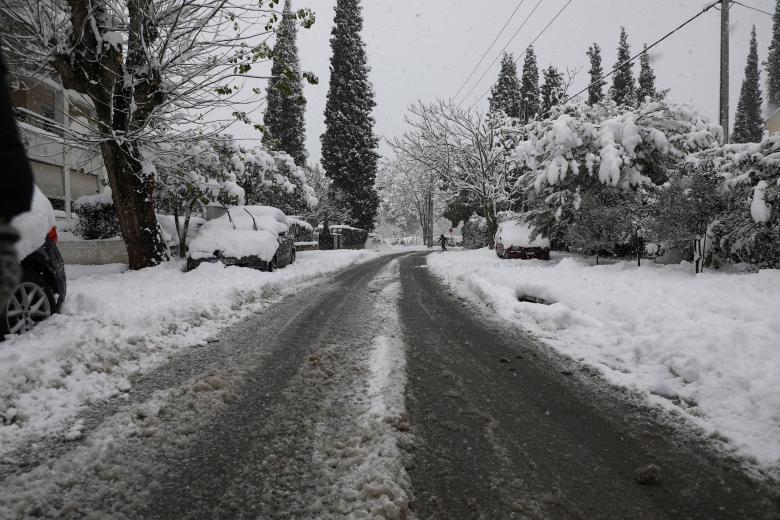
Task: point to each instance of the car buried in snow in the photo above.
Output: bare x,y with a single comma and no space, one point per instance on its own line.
513,240
41,289
245,236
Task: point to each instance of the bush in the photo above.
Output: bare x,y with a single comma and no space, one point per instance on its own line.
475,233
325,239
300,230
97,217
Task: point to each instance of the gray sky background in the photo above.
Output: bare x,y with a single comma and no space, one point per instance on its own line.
424,49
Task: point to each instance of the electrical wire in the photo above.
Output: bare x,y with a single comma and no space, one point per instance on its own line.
465,81
558,14
502,50
643,51
751,7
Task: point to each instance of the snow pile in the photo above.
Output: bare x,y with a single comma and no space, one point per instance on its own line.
117,325
243,231
704,345
34,224
168,227
104,199
518,234
363,456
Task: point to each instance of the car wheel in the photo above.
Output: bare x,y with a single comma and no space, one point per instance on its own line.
272,265
292,256
31,303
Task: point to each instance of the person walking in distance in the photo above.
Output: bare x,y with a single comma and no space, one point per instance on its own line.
443,242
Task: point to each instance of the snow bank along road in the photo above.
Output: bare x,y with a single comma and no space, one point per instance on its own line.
376,394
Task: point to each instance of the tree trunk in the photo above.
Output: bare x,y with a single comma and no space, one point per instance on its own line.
698,254
429,218
636,246
133,193
492,225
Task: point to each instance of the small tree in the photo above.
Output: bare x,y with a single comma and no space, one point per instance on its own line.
596,87
686,208
505,94
623,91
748,123
646,78
325,239
553,90
600,224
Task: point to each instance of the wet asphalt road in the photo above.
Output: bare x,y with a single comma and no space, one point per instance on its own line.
506,431
497,427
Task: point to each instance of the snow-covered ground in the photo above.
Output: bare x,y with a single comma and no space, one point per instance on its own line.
117,324
707,346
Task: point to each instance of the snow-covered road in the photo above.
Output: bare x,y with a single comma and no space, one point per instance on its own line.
377,394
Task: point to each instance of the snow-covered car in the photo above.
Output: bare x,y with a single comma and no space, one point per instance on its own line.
245,236
513,240
41,290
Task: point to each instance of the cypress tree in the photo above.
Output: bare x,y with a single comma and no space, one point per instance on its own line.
552,90
646,78
596,88
285,126
773,63
529,87
748,123
505,94
623,91
349,154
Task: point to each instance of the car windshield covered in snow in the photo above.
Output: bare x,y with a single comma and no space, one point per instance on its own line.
241,232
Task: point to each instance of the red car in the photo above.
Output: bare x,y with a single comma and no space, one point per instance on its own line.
513,240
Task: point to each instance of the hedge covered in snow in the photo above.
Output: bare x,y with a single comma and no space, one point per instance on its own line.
475,232
97,217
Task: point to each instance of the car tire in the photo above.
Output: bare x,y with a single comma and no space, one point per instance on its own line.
32,302
272,265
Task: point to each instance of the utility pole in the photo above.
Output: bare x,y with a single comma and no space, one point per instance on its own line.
724,68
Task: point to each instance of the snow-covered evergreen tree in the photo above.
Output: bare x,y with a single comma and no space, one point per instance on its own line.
646,78
505,94
551,91
773,63
349,153
623,90
596,88
284,120
748,123
529,87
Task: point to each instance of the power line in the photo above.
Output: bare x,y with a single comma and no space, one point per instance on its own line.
502,50
530,44
751,7
644,51
488,49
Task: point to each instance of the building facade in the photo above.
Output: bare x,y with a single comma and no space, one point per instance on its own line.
51,121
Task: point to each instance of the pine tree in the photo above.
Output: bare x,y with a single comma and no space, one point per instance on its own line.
505,94
646,78
552,90
349,154
748,123
285,126
529,87
773,63
623,91
596,88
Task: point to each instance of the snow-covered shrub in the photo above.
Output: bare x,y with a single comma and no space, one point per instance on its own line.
750,231
686,208
97,217
475,232
300,230
583,148
600,225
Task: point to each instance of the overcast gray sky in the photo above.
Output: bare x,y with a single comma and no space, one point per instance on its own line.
424,49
